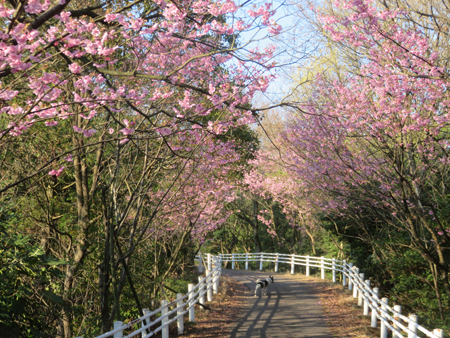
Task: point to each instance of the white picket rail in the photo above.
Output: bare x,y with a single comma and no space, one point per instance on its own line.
390,318
173,311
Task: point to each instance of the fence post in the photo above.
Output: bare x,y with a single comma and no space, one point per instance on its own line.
209,262
344,277
209,290
164,311
216,284
292,264
373,322
232,261
322,268
366,301
246,261
201,295
412,325
200,259
307,266
439,333
355,282
276,263
361,289
145,322
334,270
383,330
398,311
116,326
180,319
191,303
261,261
350,278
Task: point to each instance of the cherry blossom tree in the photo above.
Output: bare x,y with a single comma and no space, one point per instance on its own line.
119,101
376,142
60,63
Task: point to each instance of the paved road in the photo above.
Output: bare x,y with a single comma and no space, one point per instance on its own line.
291,309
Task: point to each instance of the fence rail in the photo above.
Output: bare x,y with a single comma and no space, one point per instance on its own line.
173,311
389,318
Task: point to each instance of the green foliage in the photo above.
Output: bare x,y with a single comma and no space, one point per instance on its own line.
400,272
29,296
413,286
378,248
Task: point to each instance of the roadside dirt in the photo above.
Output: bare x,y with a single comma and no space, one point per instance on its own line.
223,314
342,317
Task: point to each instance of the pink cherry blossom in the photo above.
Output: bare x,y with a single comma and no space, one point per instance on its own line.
164,131
56,172
75,68
127,131
89,132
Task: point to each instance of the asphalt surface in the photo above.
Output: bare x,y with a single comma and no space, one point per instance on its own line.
290,310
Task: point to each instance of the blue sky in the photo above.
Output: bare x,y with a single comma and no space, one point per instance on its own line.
295,44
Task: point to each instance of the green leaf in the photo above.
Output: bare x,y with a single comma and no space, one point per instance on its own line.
53,297
56,262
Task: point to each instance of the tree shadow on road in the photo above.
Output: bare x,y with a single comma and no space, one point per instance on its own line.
290,310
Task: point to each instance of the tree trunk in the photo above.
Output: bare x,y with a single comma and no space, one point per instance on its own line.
104,269
256,240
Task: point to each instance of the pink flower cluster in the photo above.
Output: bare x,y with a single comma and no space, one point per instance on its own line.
378,140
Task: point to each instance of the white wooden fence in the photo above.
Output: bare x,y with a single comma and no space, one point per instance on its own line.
173,311
390,318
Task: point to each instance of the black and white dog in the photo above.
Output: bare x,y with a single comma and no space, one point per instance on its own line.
263,284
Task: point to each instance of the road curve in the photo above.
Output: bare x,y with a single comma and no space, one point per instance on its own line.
291,310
